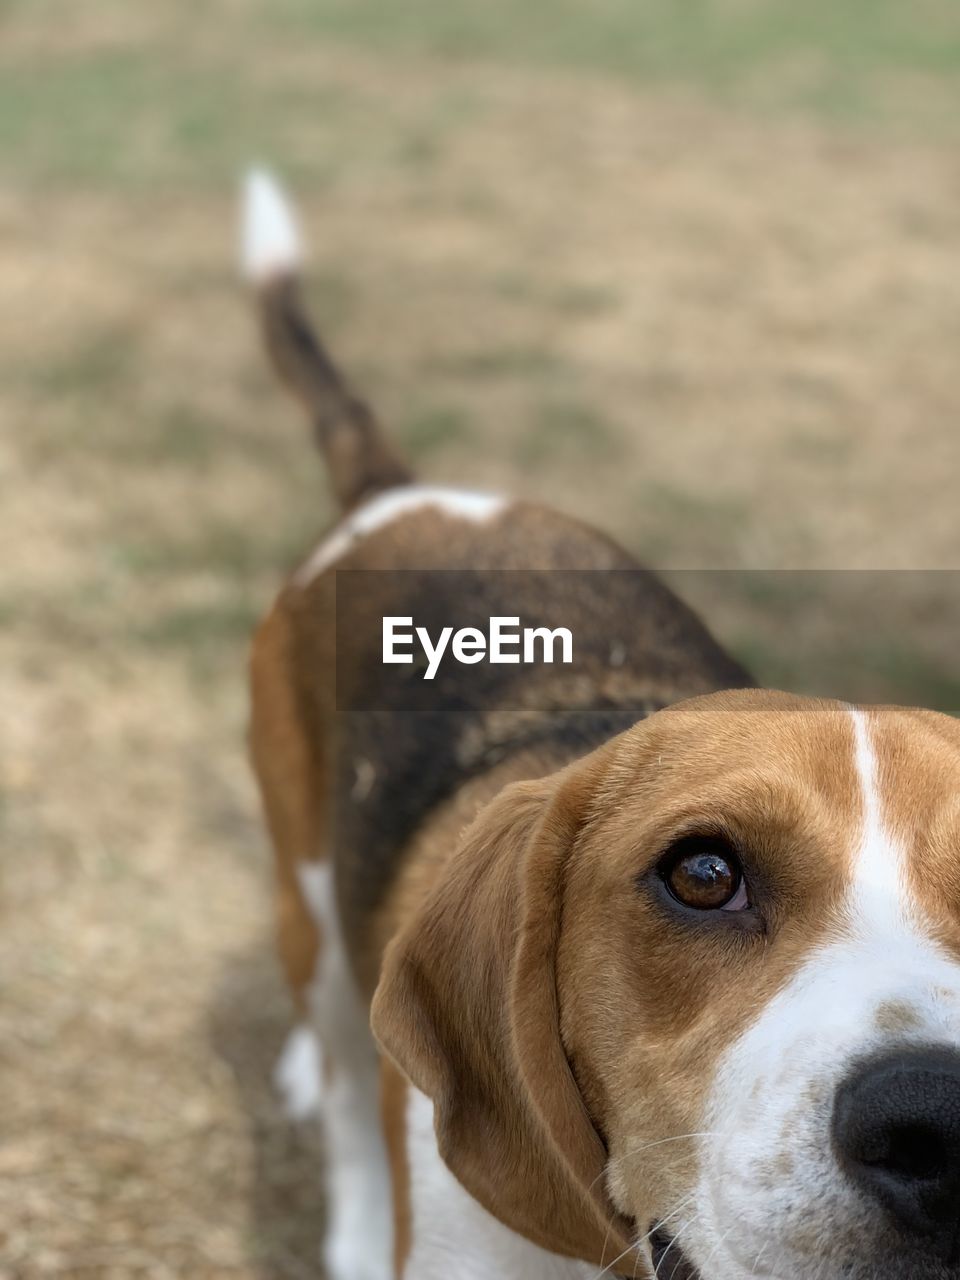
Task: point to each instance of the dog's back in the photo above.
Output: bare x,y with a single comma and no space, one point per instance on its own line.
388,748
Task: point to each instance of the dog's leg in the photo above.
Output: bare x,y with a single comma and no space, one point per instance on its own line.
394,1092
284,768
329,1066
359,1241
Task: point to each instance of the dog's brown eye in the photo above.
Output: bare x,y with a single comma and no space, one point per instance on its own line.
705,874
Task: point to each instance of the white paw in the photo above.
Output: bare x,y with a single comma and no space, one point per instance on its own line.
298,1074
351,1257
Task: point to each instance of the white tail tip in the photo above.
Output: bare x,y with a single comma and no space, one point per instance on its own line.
270,243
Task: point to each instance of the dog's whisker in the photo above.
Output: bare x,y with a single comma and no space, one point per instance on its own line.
756,1261
606,1238
716,1249
673,1240
677,1208
648,1146
606,1270
636,1244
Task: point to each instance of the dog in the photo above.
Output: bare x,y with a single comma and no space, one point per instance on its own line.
637,971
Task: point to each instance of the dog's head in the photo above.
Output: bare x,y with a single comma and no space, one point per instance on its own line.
696,998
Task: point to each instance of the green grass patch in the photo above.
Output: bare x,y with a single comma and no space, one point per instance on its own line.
99,363
565,433
236,554
179,105
855,670
200,628
493,362
840,54
567,300
863,636
155,116
425,432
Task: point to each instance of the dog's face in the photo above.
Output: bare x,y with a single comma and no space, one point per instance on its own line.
715,970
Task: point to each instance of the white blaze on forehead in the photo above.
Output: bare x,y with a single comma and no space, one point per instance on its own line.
477,508
879,883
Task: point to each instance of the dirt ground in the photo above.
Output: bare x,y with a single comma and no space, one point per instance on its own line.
729,339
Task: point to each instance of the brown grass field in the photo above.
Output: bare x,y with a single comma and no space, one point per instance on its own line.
717,314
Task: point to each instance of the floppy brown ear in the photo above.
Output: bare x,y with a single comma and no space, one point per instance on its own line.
468,1008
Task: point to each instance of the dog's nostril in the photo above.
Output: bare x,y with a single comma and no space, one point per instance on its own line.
910,1150
896,1134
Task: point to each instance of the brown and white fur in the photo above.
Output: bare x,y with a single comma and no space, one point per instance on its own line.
572,1073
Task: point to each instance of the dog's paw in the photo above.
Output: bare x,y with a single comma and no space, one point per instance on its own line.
298,1074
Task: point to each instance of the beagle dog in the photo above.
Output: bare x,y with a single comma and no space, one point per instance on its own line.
638,972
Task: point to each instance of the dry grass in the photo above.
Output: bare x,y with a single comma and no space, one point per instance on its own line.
729,340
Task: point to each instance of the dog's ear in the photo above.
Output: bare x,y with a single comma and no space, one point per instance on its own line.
468,1007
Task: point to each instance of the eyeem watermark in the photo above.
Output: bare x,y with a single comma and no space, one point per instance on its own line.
504,641
425,646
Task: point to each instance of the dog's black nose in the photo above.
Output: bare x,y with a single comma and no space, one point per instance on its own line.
896,1131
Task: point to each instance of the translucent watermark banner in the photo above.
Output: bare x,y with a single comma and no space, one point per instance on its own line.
518,641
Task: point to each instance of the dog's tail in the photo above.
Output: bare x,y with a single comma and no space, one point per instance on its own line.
359,458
